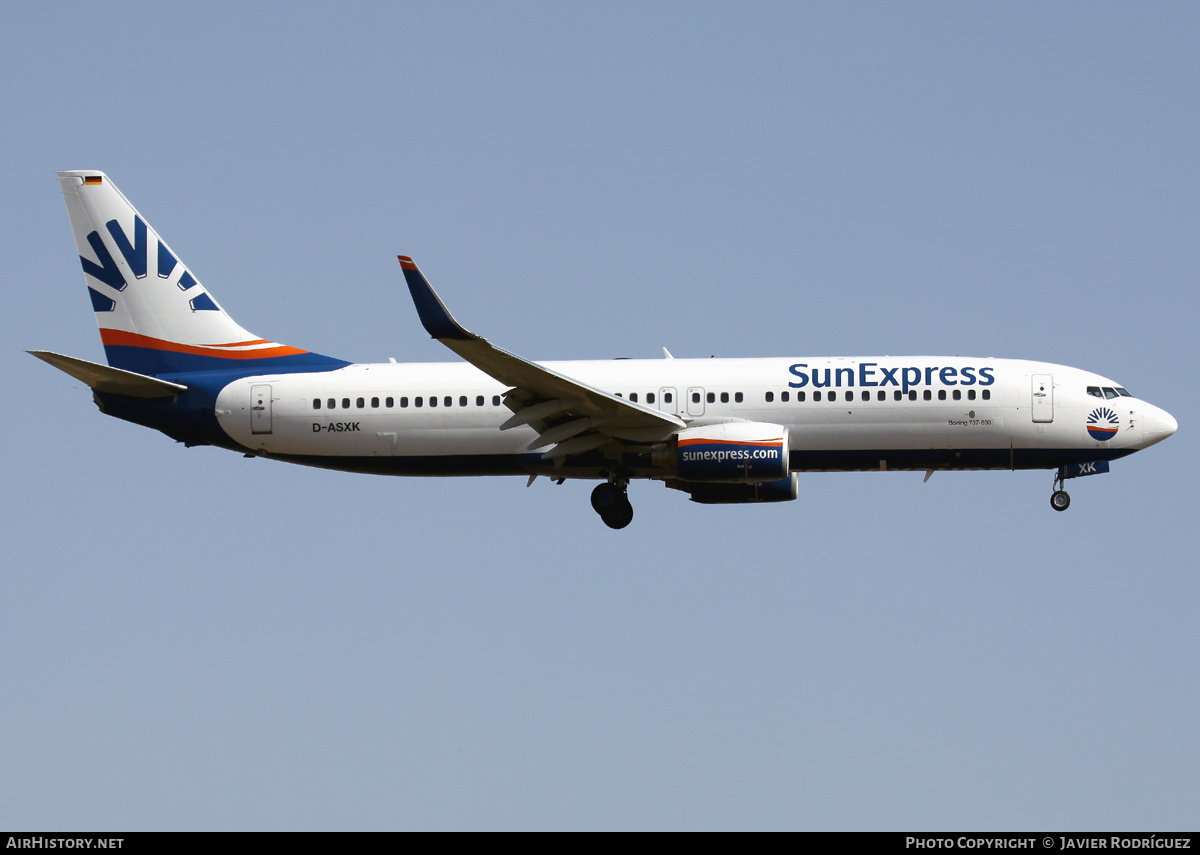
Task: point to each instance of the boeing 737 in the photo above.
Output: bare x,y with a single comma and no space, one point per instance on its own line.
724,431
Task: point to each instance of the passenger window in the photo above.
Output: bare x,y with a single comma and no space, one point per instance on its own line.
374,403
737,397
711,397
832,395
418,401
316,403
479,400
897,395
958,394
1095,392
495,400
462,401
331,403
633,397
912,394
987,394
941,394
800,396
618,394
970,394
881,395
783,396
770,397
448,401
360,403
816,396
849,396
928,395
668,397
724,397
695,397
649,397
345,403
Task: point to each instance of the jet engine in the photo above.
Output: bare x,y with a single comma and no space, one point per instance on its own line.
730,452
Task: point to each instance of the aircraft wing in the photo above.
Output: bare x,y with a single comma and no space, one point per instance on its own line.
568,415
105,378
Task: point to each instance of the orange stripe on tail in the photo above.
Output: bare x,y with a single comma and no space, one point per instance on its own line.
121,338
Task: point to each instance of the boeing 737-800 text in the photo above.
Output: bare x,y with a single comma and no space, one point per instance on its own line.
721,430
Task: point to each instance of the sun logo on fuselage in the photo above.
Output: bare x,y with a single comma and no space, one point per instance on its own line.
1102,424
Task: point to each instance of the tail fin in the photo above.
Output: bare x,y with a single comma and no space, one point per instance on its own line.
154,316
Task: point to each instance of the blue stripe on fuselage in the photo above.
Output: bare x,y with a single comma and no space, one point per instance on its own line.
146,360
190,416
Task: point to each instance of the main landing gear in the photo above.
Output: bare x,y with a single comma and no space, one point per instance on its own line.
612,504
1059,500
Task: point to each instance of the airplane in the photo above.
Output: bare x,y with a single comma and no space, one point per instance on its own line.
723,431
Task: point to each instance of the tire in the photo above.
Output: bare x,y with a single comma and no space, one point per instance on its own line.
619,516
1059,500
605,497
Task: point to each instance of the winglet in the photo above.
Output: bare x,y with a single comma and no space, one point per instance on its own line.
435,317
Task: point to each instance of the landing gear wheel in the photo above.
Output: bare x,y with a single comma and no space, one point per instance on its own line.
611,503
620,516
606,497
1059,500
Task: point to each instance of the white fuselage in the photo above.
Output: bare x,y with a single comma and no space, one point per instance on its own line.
949,406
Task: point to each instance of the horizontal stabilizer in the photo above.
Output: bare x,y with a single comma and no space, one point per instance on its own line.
104,378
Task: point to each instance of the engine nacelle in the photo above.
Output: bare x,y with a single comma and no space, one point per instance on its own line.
783,490
731,452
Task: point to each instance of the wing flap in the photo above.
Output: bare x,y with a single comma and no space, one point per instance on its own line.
547,409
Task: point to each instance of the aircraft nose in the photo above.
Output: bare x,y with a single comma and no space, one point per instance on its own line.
1159,425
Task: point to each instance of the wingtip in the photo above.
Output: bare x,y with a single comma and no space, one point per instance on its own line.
434,315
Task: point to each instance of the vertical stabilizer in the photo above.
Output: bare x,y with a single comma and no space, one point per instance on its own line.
153,313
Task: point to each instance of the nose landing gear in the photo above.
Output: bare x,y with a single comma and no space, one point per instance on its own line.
1059,500
610,501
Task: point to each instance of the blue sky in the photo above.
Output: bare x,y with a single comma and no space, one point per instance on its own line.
193,640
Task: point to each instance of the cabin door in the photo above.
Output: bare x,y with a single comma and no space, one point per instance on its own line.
260,409
667,402
1043,398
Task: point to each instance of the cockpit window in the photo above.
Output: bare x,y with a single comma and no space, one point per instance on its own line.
1095,392
1110,393
1124,393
